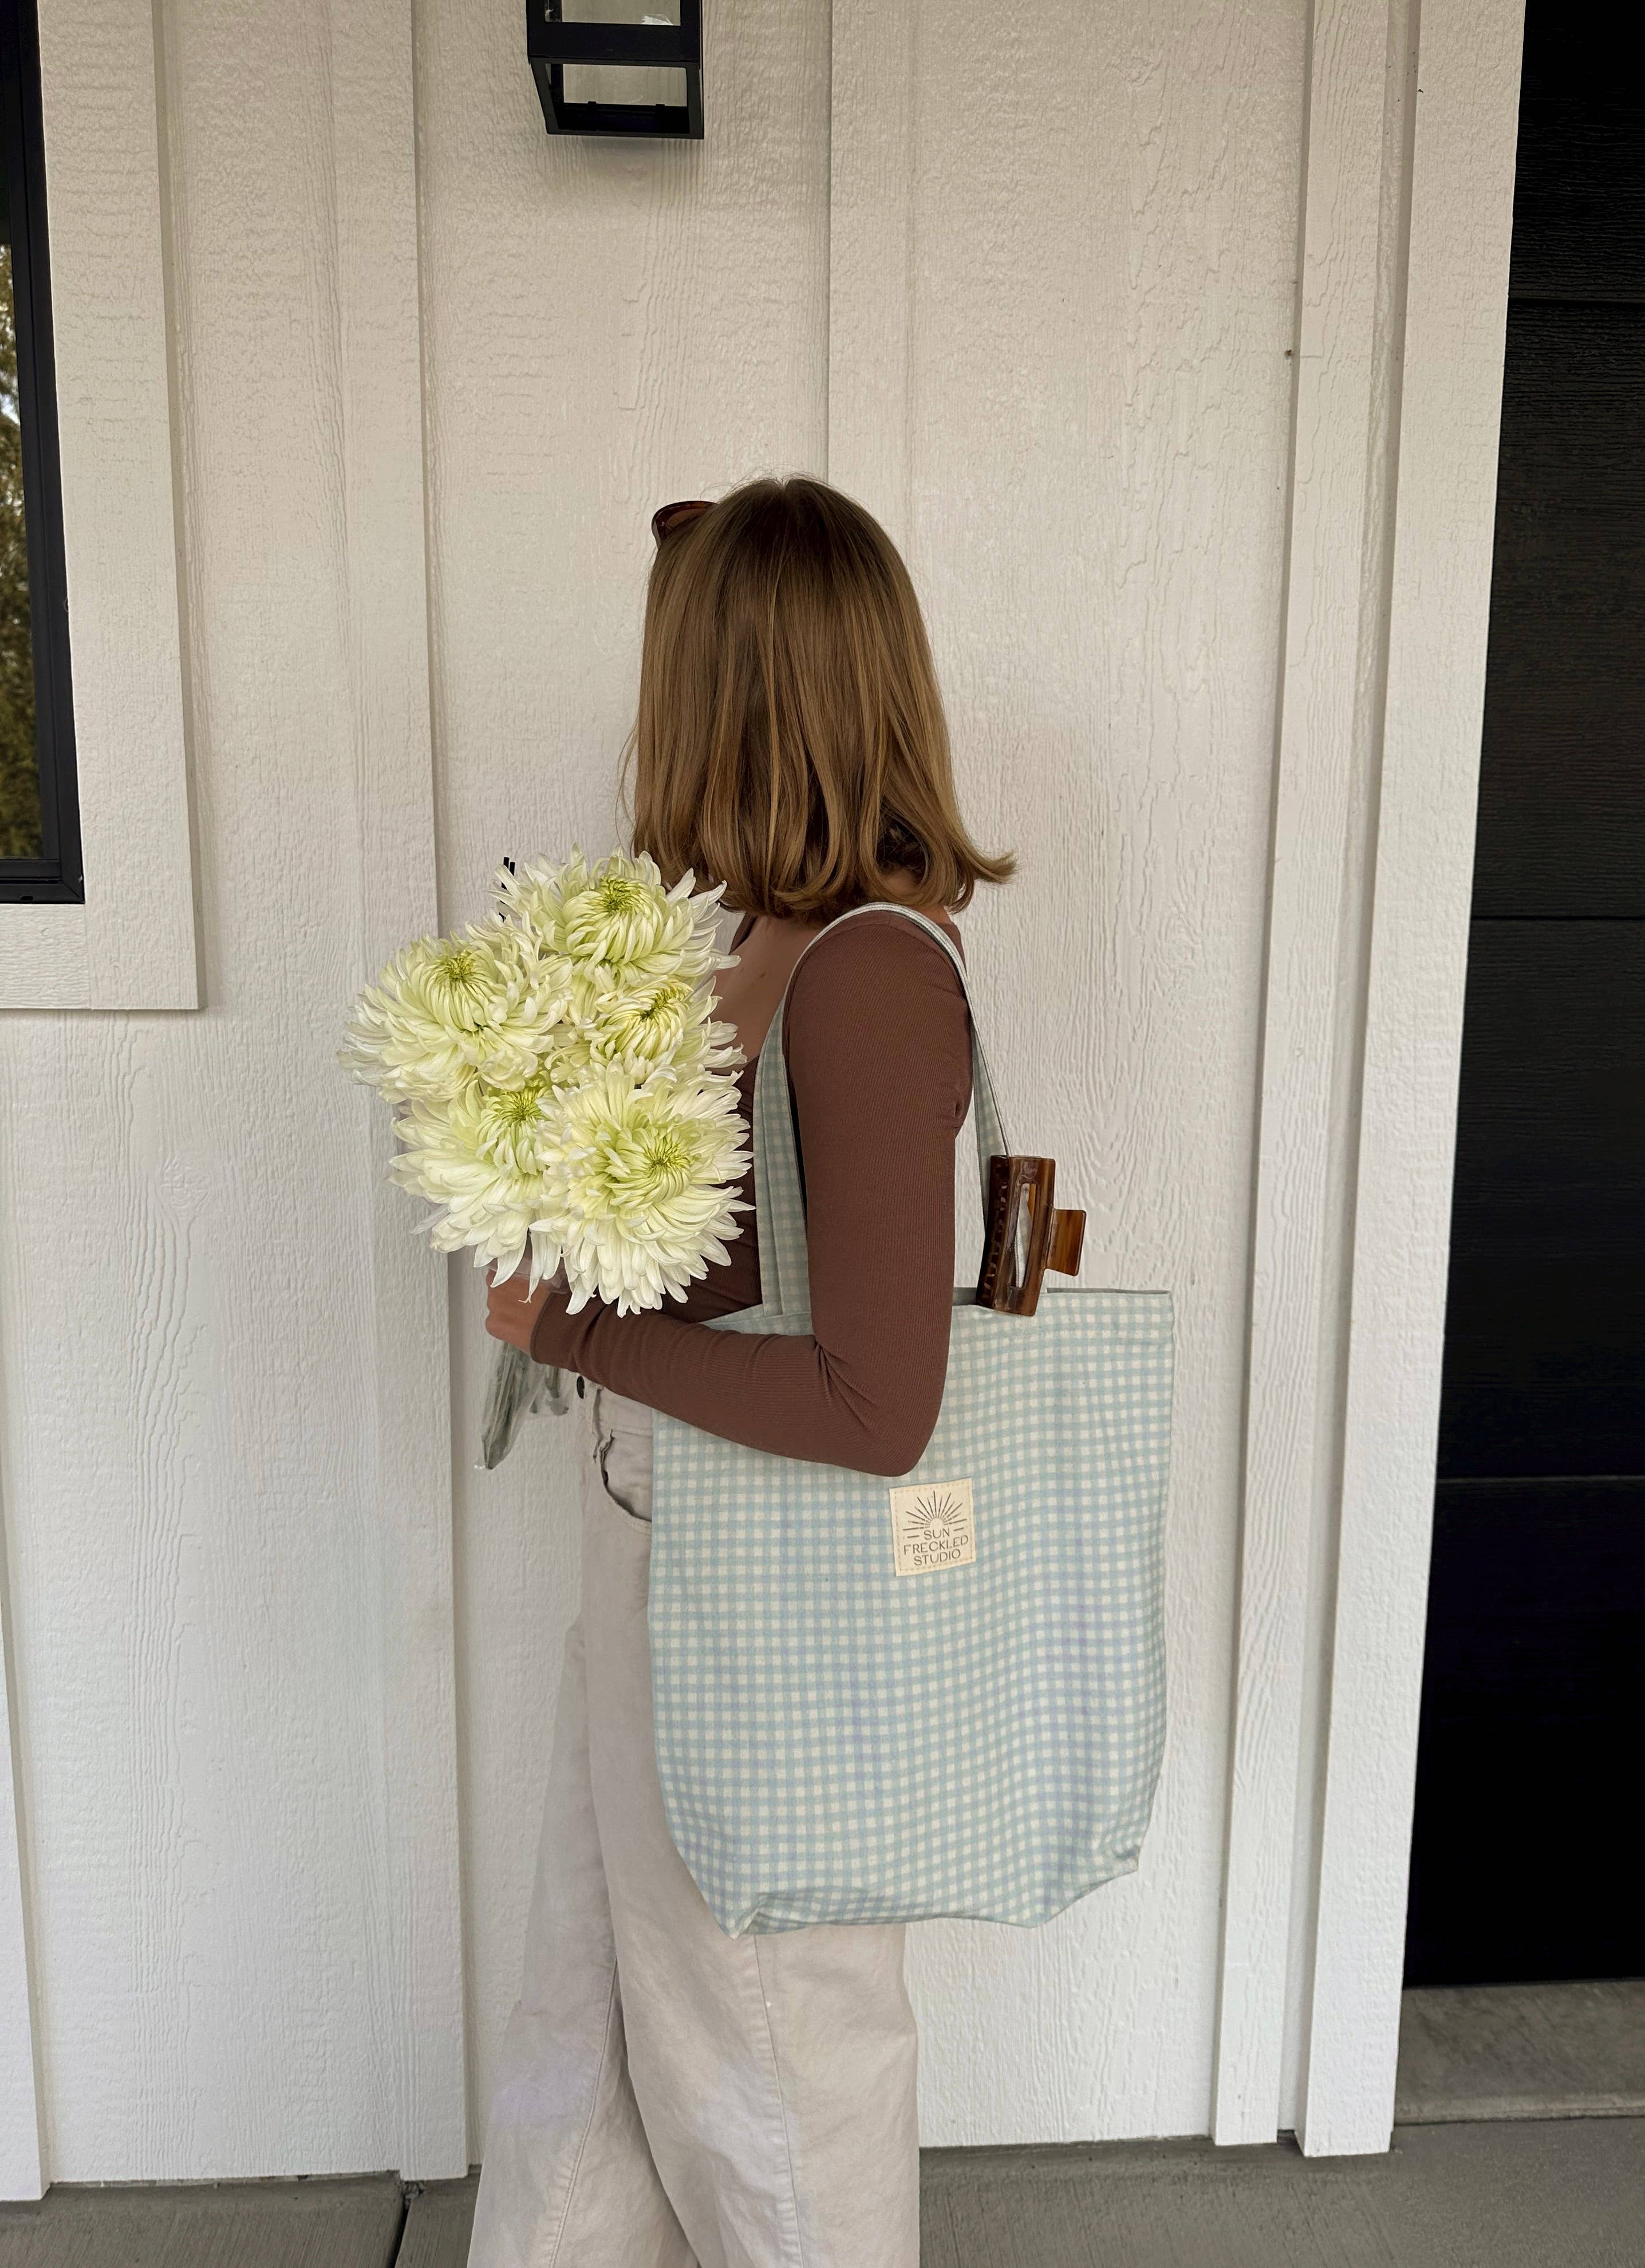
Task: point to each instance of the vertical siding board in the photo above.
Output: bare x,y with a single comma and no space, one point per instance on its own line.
380,376
873,159
1061,337
1456,300
1311,977
608,327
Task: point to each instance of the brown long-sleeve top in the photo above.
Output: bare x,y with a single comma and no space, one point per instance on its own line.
878,1044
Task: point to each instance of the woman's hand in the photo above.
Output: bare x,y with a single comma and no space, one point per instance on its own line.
512,1310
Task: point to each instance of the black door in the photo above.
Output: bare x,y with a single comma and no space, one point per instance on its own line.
1524,1861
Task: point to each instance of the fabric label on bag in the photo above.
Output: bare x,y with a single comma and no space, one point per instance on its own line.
933,1526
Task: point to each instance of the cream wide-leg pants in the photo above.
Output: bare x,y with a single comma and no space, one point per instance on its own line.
669,2096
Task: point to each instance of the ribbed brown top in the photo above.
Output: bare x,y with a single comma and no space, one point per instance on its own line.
878,1045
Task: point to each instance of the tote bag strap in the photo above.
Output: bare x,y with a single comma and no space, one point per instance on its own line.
780,1211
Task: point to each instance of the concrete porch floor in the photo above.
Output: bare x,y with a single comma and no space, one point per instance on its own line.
1519,2188
1567,2193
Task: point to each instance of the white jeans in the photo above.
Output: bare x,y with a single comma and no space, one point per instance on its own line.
671,2097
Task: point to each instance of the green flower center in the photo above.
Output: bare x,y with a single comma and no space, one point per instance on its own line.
512,1116
457,967
668,1001
520,1106
620,896
668,1160
646,1164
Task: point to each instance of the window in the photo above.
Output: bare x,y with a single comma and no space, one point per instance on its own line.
94,409
40,830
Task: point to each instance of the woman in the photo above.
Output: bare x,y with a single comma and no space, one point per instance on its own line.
669,2094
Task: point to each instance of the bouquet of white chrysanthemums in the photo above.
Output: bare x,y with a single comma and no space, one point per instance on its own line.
563,1094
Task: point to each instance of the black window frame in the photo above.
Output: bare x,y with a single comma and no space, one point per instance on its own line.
57,876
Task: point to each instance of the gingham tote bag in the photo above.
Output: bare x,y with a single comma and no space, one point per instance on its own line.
881,1700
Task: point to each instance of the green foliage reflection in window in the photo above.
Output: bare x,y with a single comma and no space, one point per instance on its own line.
19,772
39,815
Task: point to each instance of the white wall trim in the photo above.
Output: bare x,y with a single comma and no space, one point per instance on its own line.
21,2160
379,312
1354,139
1450,401
132,943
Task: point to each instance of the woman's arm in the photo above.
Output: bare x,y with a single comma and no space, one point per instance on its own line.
879,1060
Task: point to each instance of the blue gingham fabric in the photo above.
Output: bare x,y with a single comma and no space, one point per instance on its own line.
840,1744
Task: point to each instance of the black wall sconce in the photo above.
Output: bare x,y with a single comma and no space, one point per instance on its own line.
551,43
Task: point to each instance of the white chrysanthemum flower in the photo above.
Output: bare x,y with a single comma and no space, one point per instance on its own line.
477,1154
448,1010
643,1175
670,1027
615,924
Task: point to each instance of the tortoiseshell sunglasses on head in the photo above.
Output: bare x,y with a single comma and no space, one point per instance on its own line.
671,516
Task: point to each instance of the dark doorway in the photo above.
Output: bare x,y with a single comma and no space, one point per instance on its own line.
1524,1861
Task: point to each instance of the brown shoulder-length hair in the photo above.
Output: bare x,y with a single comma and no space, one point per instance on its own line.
790,741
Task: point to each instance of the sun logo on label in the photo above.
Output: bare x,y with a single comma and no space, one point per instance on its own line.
933,1526
935,1513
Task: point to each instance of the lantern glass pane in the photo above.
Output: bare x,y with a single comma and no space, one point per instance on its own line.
621,83
620,11
618,81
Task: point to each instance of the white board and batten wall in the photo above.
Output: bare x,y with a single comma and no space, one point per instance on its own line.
1167,341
